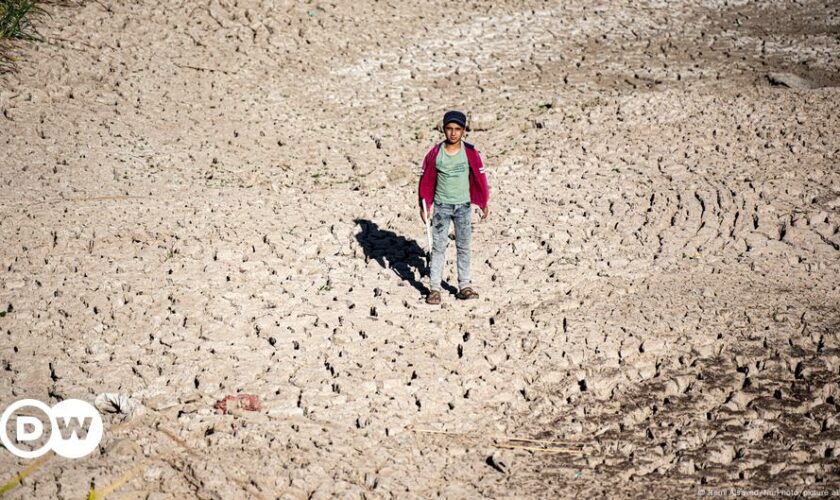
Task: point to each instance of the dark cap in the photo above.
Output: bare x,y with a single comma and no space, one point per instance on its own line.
456,117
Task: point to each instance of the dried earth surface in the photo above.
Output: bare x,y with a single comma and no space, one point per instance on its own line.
202,199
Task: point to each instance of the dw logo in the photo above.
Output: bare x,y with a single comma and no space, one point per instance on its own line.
71,428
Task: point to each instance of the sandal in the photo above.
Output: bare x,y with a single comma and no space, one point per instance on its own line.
467,293
433,298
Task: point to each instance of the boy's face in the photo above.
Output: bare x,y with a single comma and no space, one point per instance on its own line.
454,132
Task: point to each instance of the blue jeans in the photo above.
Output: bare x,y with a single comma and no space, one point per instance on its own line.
462,215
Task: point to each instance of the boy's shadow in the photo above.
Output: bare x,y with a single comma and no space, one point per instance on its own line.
395,252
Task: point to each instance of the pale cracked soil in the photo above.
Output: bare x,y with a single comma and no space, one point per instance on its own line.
200,199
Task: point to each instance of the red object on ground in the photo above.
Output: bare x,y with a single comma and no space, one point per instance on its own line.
249,402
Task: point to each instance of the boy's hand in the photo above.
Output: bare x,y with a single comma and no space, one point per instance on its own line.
422,218
485,212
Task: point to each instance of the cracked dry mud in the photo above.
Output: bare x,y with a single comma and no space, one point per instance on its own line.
201,199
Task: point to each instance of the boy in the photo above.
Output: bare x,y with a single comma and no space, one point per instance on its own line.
452,177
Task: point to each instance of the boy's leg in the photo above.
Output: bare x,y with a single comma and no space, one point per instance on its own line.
440,239
463,236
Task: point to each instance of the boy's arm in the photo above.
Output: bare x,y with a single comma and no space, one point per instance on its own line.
422,201
484,185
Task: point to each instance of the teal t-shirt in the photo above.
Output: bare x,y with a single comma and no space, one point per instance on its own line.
453,177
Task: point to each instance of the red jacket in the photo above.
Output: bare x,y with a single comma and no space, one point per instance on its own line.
479,191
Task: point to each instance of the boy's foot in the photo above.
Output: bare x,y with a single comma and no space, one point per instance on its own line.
433,298
467,293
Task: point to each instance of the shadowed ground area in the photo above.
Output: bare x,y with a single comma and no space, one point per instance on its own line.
202,199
